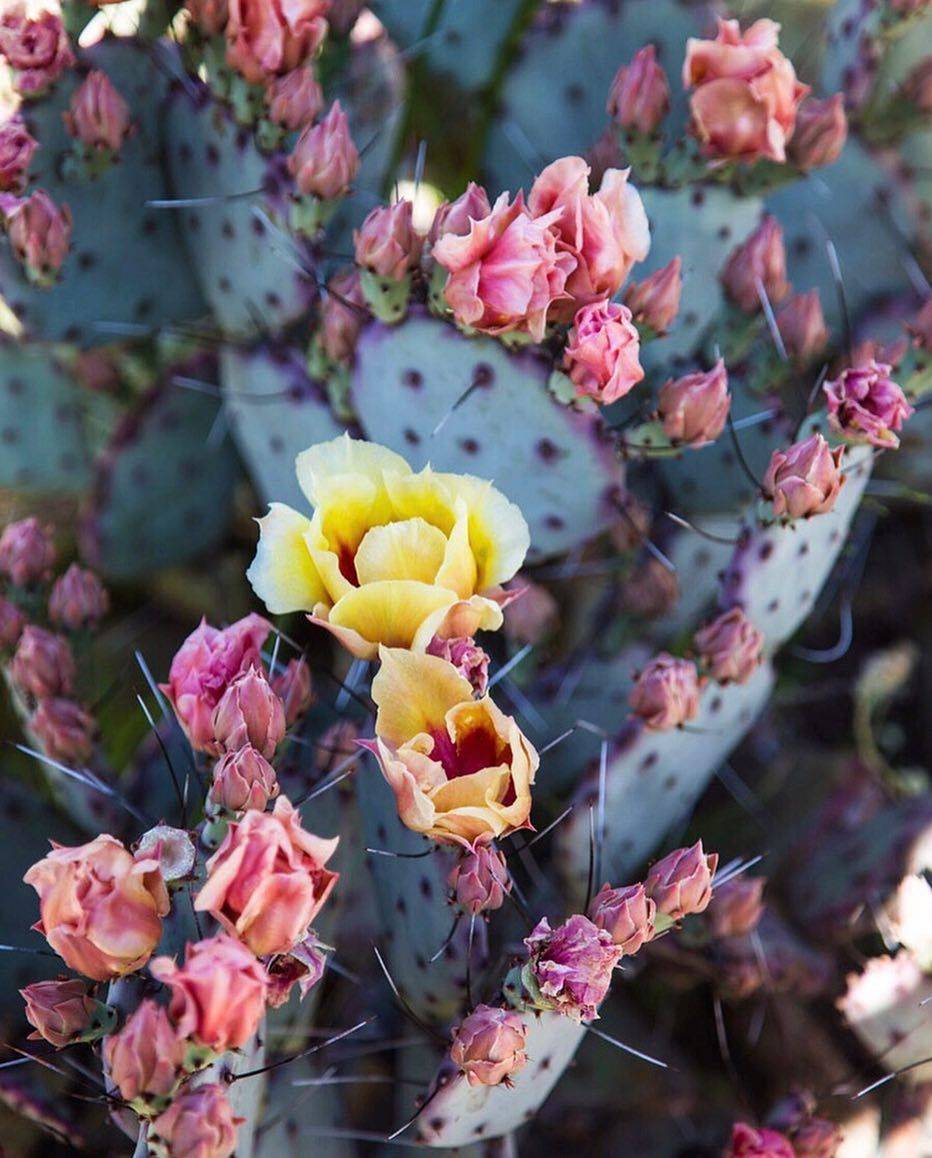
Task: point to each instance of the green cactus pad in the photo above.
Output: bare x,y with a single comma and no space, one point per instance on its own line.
163,487
548,110
460,1114
126,268
778,570
256,276
549,459
275,411
654,779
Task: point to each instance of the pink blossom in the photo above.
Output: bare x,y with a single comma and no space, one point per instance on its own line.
27,552
249,712
78,599
480,879
457,216
243,780
145,1058
37,50
466,656
746,1142
199,1123
571,965
43,664
59,1011
268,38
866,405
602,352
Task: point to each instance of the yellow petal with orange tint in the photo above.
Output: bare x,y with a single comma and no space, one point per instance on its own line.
413,693
392,611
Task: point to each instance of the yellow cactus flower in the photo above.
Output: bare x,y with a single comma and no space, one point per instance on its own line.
389,556
460,769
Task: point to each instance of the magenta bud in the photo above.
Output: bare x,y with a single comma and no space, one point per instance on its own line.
866,405
737,907
27,552
729,647
626,913
820,134
11,624
802,326
805,479
39,233
324,161
295,99
466,656
639,98
480,879
59,1011
98,116
759,263
78,599
36,49
602,355
681,883
294,688
43,664
666,693
17,146
249,712
386,243
746,1142
243,780
488,1045
571,966
655,301
694,408
64,730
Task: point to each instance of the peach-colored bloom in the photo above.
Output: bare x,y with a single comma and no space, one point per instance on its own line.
294,100
459,768
488,1045
694,408
324,161
757,265
603,352
199,1123
805,479
506,272
98,116
639,98
386,242
267,881
17,146
101,909
218,994
390,556
37,50
144,1059
39,233
606,232
203,668
268,38
60,1011
746,92
655,301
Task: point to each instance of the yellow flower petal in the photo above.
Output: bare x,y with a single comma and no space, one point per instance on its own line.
392,611
349,504
282,573
345,456
458,571
413,694
412,549
423,495
459,619
498,533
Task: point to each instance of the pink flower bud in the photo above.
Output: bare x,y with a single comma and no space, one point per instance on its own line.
199,1123
210,16
603,352
243,780
802,326
480,879
80,891
651,590
681,883
571,966
639,98
272,37
249,713
866,405
145,1058
78,599
294,688
218,995
533,615
39,233
918,86
324,161
17,146
627,914
98,116
821,132
342,315
42,665
694,408
203,668
27,552
457,216
36,50
758,263
386,243
488,1046
294,100
303,965
817,1138
11,624
268,880
466,656
64,730
59,1011
805,479
746,1142
729,647
737,907
666,693
655,301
